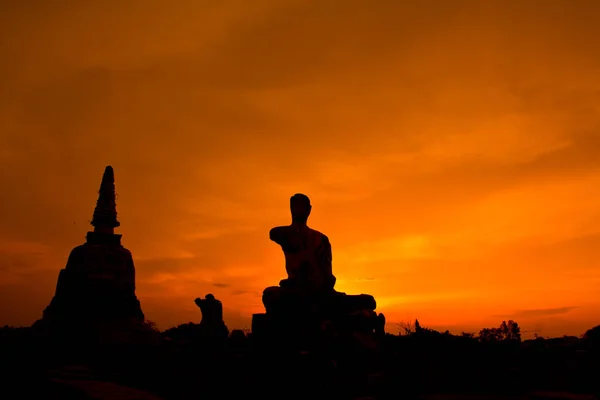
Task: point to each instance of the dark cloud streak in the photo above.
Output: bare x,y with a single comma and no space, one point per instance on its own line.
535,313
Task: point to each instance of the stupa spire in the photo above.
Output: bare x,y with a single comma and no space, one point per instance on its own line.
105,214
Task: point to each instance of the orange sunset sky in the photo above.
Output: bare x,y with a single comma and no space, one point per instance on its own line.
450,150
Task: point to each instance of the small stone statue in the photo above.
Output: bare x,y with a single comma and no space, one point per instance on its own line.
212,316
211,309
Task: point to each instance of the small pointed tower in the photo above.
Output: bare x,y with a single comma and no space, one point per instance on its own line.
105,220
98,282
105,214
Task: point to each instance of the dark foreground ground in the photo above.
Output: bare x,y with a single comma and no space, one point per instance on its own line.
405,368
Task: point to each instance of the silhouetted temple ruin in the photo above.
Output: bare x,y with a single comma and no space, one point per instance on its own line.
98,283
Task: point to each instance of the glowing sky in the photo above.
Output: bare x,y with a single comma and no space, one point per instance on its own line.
451,150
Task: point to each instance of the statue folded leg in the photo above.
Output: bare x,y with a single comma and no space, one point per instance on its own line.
288,297
345,303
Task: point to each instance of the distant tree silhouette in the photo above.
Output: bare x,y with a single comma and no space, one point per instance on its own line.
592,338
7,328
10,332
508,331
406,328
489,335
592,334
150,326
182,332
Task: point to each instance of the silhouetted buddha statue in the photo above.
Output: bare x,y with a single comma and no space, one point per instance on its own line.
307,251
98,282
310,283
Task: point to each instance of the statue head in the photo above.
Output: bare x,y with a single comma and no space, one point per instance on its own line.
209,297
300,208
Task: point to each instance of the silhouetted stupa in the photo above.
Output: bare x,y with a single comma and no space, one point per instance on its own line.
98,283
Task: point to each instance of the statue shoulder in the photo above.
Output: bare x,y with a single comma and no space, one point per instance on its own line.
278,229
277,233
320,235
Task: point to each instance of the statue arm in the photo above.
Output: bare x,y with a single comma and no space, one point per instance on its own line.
288,237
278,235
282,235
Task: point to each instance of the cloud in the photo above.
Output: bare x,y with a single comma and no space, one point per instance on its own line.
23,261
221,285
23,247
542,312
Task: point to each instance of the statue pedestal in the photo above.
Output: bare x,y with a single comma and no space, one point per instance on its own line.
336,319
